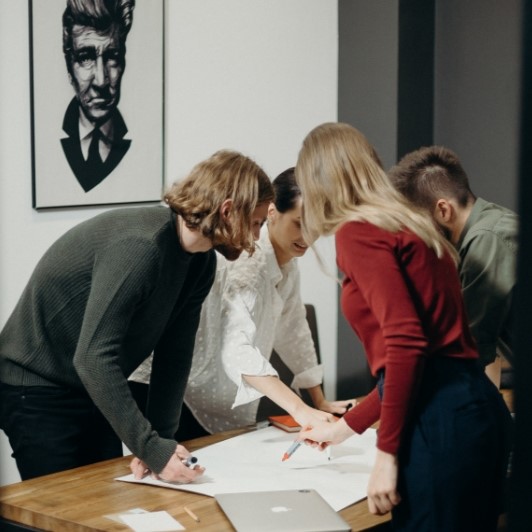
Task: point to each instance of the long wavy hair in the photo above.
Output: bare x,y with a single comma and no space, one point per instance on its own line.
342,180
199,197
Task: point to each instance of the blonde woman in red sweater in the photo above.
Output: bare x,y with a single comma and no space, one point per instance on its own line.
442,443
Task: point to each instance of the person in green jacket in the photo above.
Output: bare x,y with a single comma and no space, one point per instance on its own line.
485,236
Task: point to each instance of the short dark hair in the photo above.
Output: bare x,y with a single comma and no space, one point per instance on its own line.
286,190
98,14
430,173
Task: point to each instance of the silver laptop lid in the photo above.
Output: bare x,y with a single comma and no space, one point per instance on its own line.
281,511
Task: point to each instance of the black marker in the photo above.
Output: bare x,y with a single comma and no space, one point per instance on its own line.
191,461
347,408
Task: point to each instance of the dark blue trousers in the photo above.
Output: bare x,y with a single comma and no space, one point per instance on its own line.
454,452
52,429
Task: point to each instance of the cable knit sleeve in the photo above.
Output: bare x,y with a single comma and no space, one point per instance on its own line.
121,280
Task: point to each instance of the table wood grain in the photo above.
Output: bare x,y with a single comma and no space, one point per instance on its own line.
79,500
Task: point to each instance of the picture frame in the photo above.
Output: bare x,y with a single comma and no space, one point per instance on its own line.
97,105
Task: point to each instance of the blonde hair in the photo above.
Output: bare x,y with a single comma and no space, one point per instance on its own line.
225,175
341,180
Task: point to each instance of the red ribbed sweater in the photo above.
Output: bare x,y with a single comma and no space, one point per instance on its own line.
405,304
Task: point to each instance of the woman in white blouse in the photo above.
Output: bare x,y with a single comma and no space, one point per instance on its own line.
254,307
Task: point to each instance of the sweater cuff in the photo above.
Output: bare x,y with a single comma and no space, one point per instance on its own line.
158,453
307,379
247,393
365,413
487,352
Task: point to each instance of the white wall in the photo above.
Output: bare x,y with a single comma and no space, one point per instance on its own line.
251,75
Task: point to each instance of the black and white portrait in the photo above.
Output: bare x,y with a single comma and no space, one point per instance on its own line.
97,95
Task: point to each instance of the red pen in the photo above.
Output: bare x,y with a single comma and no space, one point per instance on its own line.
291,450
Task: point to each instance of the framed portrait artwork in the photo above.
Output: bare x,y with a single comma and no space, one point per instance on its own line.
97,101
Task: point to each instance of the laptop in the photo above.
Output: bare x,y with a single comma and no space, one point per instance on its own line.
281,511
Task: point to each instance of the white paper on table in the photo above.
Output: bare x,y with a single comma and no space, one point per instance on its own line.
252,462
152,522
118,517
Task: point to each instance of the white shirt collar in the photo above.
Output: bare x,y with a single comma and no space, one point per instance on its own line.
275,271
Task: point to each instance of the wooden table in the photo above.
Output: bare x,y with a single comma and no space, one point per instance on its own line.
78,500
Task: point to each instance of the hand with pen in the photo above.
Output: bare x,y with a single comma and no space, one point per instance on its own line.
323,434
182,467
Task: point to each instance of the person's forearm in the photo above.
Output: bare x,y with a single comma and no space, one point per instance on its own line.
316,395
319,401
273,388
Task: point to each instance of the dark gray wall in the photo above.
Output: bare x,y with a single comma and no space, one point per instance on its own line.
477,89
415,83
467,78
367,99
367,70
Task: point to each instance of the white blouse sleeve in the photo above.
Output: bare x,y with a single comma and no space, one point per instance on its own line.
143,372
242,311
293,340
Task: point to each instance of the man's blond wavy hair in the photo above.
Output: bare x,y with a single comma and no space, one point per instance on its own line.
341,180
199,197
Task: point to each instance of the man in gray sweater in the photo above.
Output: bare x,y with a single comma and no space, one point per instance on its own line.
105,295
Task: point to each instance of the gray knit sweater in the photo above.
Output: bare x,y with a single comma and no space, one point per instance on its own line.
102,298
